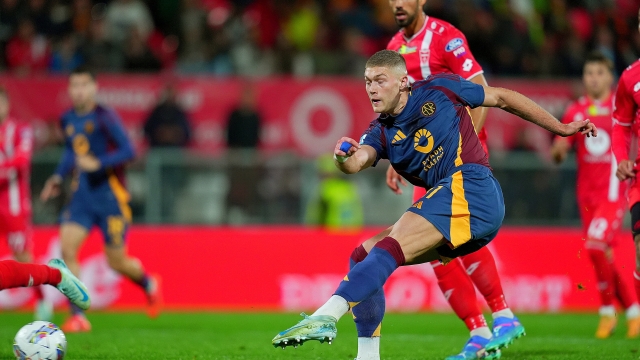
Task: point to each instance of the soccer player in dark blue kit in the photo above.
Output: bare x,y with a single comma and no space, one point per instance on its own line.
427,134
96,150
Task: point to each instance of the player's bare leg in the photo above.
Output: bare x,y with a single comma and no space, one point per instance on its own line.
412,240
131,267
72,236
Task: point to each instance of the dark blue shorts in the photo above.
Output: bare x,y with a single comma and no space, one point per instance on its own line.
106,209
466,207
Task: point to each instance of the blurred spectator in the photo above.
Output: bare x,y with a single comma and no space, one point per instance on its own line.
27,52
99,53
168,124
335,204
243,126
81,18
125,15
67,56
137,55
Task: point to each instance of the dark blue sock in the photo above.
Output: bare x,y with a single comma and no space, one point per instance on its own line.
144,282
75,310
368,314
367,277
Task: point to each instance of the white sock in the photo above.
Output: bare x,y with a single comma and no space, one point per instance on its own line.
336,306
368,348
503,313
608,310
483,332
633,311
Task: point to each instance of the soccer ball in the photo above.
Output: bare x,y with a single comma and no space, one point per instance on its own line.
40,340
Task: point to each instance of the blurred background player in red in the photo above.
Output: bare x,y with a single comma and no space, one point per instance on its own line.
432,46
626,120
16,147
96,151
601,196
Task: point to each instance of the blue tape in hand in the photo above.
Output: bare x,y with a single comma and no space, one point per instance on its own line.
345,146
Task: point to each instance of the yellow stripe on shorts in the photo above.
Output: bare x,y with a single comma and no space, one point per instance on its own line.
460,231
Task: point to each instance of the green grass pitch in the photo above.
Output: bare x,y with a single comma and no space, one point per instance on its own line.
244,336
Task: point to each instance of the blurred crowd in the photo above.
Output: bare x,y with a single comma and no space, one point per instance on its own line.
534,38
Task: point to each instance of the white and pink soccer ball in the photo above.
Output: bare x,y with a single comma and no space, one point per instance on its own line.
40,340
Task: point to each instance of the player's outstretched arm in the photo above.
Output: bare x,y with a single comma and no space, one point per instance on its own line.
356,159
520,105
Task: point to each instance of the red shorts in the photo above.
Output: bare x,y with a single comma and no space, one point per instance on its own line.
601,221
17,230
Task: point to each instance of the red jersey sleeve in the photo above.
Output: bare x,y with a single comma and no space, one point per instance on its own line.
457,55
624,109
23,149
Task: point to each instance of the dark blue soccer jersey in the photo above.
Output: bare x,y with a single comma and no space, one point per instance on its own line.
434,135
101,134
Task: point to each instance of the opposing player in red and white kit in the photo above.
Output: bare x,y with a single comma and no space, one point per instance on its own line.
16,145
601,196
432,46
626,121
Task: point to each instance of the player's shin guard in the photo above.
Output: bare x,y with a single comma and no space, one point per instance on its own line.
482,270
14,274
369,313
367,277
604,275
460,293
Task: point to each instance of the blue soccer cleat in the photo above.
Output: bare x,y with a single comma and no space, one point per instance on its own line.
474,349
320,327
505,331
71,286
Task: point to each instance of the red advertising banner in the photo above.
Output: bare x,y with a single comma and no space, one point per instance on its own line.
293,268
307,116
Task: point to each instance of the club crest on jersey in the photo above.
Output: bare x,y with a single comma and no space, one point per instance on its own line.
428,108
424,56
404,49
418,141
453,44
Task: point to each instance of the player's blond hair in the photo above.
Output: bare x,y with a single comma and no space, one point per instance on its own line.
389,59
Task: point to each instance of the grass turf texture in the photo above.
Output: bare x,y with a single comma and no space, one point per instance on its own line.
195,336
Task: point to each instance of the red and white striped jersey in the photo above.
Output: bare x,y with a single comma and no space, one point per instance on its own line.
437,48
597,167
16,147
626,111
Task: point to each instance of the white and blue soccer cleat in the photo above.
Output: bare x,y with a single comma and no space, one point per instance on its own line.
475,349
71,286
319,327
505,332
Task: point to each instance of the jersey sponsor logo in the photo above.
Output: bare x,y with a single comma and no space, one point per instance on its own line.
89,127
81,144
404,49
399,136
636,87
453,44
428,108
418,141
460,52
598,146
